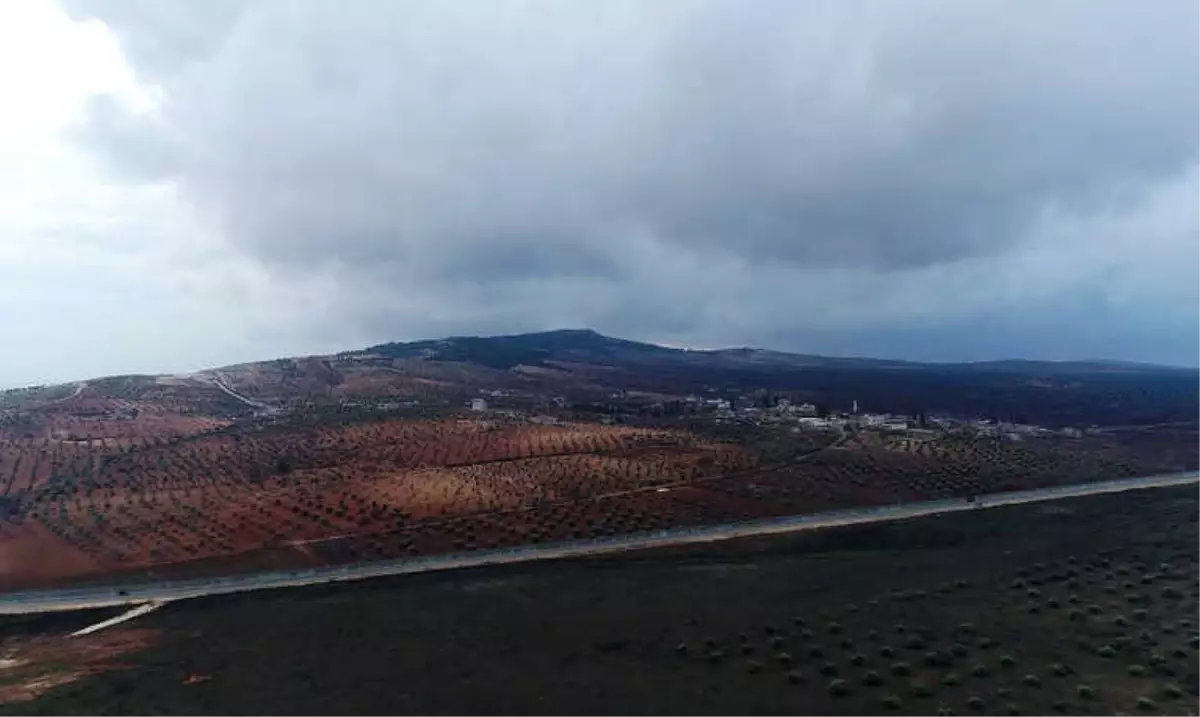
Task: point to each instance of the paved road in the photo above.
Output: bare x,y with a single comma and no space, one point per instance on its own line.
91,597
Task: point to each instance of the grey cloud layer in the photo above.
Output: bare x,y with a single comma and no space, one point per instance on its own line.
672,168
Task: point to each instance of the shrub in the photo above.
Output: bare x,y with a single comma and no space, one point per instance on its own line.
784,659
871,678
945,712
1147,704
839,688
1085,692
795,677
1094,609
950,679
958,649
846,643
1058,669
1137,671
901,669
715,656
976,703
1107,652
816,652
829,669
747,649
891,702
987,643
1032,680
886,651
1141,614
858,660
1007,661
681,648
835,627
915,642
777,642
799,621
873,635
1075,615
980,671
922,690
1172,691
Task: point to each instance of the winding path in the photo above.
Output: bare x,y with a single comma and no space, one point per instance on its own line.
219,382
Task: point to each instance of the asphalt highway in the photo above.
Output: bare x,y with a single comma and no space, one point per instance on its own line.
35,601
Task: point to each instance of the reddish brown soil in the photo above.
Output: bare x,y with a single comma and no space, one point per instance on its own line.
407,487
32,665
394,488
29,553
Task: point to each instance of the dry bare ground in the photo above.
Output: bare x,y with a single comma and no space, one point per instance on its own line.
105,507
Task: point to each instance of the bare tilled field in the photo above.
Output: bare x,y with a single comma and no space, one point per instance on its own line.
294,497
1084,606
209,499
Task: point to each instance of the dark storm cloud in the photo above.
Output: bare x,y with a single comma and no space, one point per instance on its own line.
668,167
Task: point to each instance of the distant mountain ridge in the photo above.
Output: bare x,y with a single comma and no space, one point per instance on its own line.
586,346
589,346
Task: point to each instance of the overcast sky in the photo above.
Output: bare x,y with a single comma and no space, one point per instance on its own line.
200,182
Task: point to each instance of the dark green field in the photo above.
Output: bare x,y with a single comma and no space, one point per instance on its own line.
1085,606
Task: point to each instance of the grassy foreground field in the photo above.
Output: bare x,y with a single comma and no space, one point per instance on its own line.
1086,606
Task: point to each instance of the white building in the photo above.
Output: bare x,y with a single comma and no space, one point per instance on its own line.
478,404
